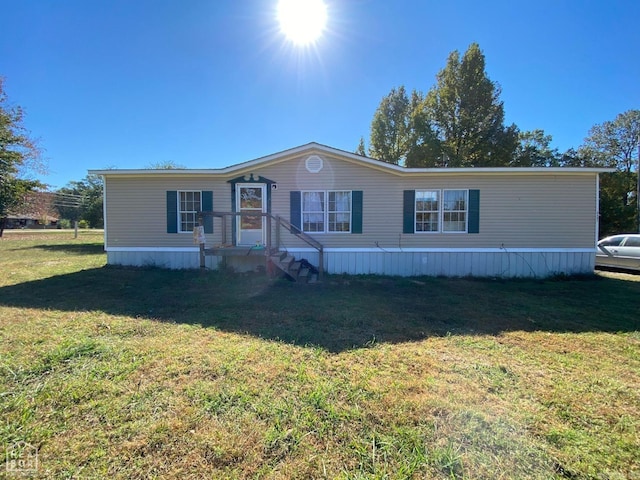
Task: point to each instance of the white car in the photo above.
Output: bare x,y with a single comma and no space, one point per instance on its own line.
619,251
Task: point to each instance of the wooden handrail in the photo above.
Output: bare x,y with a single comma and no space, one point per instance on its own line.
279,222
299,233
308,239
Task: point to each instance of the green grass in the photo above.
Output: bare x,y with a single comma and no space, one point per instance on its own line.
147,373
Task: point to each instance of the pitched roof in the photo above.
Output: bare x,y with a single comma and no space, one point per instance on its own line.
317,148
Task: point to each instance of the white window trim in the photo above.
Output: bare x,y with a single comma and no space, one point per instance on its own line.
186,211
441,211
466,211
415,211
326,212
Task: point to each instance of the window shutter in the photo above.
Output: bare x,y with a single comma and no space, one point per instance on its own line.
207,206
172,211
295,209
474,211
356,211
409,212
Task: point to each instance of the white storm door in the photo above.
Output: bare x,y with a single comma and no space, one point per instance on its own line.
251,198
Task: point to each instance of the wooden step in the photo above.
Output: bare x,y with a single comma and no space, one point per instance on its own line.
277,257
294,269
287,261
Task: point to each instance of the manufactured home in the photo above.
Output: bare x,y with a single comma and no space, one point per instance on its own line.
339,212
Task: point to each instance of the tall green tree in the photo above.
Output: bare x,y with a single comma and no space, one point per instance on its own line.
18,152
424,147
534,150
468,114
390,128
614,143
460,122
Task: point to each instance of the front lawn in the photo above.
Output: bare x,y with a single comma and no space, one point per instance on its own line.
148,373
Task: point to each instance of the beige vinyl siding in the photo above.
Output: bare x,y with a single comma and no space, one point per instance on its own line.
525,210
516,211
136,209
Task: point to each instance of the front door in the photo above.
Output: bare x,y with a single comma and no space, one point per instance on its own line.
251,197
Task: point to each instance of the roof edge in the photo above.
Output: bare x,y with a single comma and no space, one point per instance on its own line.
371,162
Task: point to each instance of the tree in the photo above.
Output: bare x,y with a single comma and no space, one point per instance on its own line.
614,144
166,165
468,115
361,150
18,152
82,200
39,205
460,122
534,150
617,203
425,149
389,128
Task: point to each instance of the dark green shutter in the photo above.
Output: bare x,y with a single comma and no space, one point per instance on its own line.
207,206
356,211
474,211
409,212
295,209
172,211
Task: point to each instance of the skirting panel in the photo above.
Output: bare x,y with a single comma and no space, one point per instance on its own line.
455,264
172,260
537,264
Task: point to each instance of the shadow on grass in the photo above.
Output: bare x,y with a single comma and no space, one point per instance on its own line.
342,313
74,249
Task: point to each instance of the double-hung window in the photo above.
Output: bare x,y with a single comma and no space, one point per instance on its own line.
427,211
189,205
339,212
326,211
441,211
454,210
313,211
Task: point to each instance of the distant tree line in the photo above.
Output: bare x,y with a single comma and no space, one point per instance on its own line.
459,122
81,201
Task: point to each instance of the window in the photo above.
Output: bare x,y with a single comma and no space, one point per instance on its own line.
611,241
313,212
441,211
454,208
339,211
326,212
632,242
189,206
427,211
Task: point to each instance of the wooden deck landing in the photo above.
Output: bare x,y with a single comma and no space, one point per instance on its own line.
223,251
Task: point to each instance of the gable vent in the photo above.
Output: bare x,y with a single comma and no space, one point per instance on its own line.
313,163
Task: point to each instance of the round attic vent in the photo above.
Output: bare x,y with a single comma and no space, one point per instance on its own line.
313,163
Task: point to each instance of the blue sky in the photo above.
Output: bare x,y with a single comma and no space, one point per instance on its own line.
207,84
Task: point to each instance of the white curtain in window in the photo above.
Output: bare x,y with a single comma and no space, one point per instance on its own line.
314,206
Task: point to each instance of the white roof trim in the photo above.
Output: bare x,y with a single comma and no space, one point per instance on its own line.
351,157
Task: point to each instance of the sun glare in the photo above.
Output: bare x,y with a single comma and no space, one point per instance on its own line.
302,21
